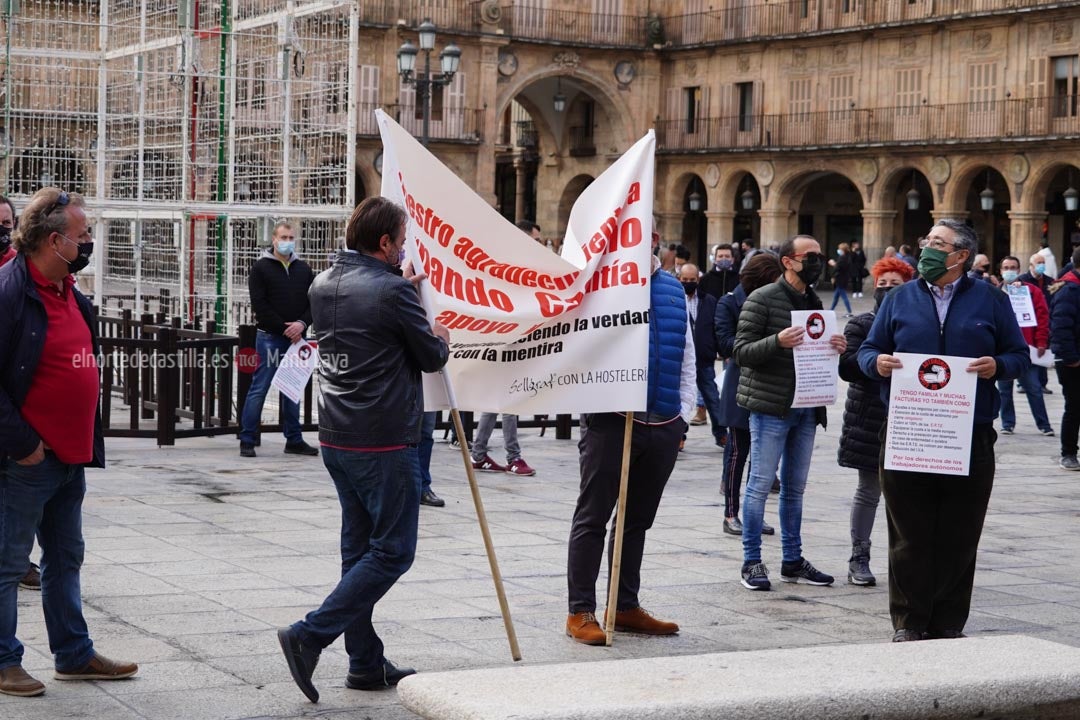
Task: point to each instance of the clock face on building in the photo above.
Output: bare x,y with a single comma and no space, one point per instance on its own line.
508,64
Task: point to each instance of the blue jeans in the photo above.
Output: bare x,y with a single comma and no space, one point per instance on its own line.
786,443
379,494
45,499
271,348
424,448
840,292
706,383
1030,382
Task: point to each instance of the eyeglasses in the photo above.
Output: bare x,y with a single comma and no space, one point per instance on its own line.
61,200
935,243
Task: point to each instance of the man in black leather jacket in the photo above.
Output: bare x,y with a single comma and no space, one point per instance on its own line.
374,342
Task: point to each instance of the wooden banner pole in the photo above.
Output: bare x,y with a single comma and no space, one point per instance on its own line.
620,520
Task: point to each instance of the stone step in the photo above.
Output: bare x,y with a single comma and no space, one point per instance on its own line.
1005,678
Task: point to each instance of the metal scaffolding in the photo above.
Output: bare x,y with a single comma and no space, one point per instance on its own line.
191,128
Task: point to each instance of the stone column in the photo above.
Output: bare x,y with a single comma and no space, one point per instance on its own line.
777,225
949,214
519,185
720,226
670,227
1025,234
488,75
877,233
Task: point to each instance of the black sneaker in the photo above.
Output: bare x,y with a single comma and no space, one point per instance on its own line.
302,661
247,450
429,498
301,448
386,676
1069,462
755,576
802,570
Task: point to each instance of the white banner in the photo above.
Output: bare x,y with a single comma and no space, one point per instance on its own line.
931,412
295,369
1023,307
816,362
532,332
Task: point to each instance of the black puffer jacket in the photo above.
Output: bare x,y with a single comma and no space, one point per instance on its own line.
860,443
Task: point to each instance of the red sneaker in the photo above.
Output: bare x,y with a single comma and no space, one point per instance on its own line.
519,467
486,464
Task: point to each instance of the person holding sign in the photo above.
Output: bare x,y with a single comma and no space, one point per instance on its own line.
1035,324
780,436
369,318
935,520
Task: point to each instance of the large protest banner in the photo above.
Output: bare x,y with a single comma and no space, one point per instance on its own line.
532,332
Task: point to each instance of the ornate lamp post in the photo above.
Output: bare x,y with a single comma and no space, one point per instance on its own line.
450,59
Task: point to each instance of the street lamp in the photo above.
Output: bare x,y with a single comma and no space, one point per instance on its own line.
1072,197
695,201
986,197
558,99
746,197
449,58
912,195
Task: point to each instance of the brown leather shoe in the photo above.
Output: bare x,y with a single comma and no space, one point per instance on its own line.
638,620
99,668
583,627
15,681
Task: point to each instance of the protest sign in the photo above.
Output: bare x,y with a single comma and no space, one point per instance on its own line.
1020,297
931,412
532,332
815,359
295,369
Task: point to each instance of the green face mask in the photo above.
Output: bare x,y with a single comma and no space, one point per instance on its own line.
932,264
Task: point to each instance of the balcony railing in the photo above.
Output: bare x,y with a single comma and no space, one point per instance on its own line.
448,15
573,27
1001,120
792,17
459,124
581,141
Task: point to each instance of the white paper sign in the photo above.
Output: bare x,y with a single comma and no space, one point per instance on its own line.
530,331
1020,297
295,370
1045,360
931,412
816,361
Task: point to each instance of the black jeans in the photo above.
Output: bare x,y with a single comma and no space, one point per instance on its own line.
1069,377
736,453
935,522
653,451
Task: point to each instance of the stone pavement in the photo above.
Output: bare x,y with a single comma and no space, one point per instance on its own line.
194,556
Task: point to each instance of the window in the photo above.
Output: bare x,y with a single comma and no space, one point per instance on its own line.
908,91
804,8
982,86
692,103
436,104
841,95
1064,89
799,99
746,105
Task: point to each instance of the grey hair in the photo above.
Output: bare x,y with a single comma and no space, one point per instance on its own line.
42,217
966,238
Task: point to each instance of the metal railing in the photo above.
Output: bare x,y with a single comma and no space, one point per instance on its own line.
582,143
573,27
1000,120
448,15
461,124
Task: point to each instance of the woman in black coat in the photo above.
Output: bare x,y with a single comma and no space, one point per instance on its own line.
761,269
864,415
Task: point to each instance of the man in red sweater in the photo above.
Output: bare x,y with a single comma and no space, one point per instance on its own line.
50,430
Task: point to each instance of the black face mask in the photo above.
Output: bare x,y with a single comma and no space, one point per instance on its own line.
5,239
811,269
690,288
81,260
879,296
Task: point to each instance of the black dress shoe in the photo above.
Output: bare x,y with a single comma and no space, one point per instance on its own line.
300,448
767,529
905,635
430,498
302,661
384,677
945,635
247,450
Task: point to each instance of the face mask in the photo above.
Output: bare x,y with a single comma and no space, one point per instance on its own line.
81,260
879,295
724,264
5,239
1009,276
840,253
690,288
1040,269
932,264
286,248
811,269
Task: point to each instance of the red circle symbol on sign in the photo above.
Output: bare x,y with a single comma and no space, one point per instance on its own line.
934,373
815,326
247,360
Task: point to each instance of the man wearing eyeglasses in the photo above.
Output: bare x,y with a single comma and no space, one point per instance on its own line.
935,521
781,437
50,430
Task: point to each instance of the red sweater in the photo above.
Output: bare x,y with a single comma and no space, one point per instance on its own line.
63,396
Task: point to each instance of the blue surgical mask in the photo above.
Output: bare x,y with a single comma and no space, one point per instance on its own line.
1040,269
1009,276
286,248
